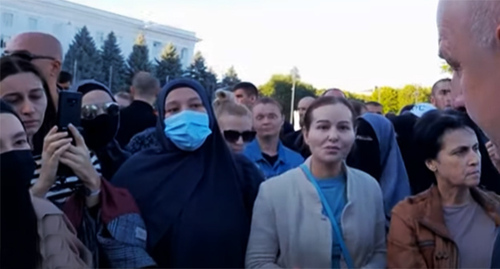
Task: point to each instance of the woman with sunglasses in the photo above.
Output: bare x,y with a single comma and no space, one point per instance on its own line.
235,121
104,228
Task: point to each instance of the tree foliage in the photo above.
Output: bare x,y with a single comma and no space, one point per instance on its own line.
113,64
230,78
446,68
199,71
279,87
169,64
393,99
84,54
138,60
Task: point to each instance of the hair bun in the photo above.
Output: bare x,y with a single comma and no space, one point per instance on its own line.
223,96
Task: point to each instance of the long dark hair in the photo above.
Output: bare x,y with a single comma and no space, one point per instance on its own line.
12,65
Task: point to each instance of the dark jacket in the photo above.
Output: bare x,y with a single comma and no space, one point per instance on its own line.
135,118
295,141
418,237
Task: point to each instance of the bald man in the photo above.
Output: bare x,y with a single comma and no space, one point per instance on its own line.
44,51
294,140
469,40
334,92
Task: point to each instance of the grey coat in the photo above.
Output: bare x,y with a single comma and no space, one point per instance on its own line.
289,229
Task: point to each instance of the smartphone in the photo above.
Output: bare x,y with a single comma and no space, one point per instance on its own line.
69,110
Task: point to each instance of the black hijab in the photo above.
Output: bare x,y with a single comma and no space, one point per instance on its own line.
192,202
99,133
19,234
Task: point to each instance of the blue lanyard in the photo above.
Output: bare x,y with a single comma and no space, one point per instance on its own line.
335,225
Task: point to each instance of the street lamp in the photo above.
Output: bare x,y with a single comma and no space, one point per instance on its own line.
295,75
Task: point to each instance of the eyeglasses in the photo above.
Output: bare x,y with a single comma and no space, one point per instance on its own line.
27,56
92,111
232,136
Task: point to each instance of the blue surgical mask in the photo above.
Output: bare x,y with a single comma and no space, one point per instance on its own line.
188,129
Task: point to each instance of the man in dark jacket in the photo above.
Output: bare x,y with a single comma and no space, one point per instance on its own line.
139,115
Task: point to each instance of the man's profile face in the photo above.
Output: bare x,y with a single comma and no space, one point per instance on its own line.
475,66
374,109
442,97
243,98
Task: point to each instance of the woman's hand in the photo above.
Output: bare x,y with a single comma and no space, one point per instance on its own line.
494,154
78,159
54,145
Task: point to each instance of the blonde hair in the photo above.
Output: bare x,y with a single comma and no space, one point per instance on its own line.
225,104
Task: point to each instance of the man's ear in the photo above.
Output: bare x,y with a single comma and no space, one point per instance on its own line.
56,69
132,90
433,100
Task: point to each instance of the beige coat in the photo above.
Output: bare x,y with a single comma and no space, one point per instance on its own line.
289,229
59,246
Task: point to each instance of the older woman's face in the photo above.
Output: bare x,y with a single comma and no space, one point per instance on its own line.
24,91
12,134
181,99
458,163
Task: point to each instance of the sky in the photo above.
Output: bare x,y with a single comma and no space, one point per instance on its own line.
354,45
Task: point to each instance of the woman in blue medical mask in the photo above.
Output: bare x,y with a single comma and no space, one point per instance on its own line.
195,196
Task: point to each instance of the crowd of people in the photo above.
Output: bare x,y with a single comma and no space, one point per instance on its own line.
165,177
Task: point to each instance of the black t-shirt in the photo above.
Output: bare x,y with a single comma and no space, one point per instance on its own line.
271,159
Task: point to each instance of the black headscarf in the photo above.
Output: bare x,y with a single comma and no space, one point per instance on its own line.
19,234
192,202
99,133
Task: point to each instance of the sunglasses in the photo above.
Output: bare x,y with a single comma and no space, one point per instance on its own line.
90,112
27,56
232,136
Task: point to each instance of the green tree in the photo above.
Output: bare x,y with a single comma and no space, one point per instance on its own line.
169,64
279,87
84,55
230,78
446,68
138,60
199,71
113,64
388,98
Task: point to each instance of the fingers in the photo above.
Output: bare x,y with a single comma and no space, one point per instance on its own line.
79,141
68,162
54,146
71,156
58,153
52,136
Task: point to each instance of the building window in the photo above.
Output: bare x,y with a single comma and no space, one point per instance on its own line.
7,19
183,53
3,41
33,24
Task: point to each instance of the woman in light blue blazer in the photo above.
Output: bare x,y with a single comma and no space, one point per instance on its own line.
323,214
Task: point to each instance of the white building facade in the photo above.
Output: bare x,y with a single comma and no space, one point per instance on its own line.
63,19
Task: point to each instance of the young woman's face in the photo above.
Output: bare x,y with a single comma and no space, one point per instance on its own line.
182,99
458,163
24,91
237,131
331,134
12,134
